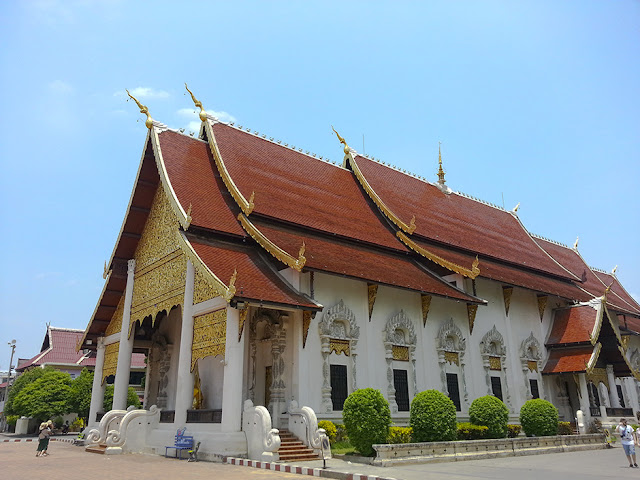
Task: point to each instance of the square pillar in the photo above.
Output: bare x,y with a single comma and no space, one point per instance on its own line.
184,388
123,370
233,375
98,387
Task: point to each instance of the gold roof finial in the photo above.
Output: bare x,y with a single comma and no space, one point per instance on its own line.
516,208
606,292
343,141
440,170
197,103
613,272
143,109
575,245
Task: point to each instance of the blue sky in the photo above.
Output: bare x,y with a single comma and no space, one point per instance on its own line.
534,102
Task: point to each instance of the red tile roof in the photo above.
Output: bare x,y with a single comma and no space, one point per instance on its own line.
572,325
345,258
196,182
300,189
255,279
568,360
618,291
456,220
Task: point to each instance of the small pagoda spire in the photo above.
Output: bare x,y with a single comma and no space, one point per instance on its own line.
441,180
143,109
197,103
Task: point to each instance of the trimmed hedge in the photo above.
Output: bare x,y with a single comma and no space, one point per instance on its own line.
564,428
491,412
329,428
367,417
433,417
469,431
513,430
399,435
539,418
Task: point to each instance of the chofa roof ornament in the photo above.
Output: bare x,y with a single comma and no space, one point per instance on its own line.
143,109
197,103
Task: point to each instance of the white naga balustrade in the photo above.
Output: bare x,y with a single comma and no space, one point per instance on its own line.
116,439
109,421
303,423
263,441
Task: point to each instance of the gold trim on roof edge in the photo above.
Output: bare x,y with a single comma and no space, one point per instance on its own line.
473,273
245,206
378,201
591,364
226,292
272,248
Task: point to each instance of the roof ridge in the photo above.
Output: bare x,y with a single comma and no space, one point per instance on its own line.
599,270
540,237
484,202
65,329
280,143
393,167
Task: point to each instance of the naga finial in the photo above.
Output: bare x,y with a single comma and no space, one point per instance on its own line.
301,258
515,209
143,109
231,289
606,292
197,103
342,140
475,269
613,272
575,245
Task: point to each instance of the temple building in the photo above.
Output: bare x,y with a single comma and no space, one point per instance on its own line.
254,274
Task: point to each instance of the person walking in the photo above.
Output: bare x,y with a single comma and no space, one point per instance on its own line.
628,438
43,439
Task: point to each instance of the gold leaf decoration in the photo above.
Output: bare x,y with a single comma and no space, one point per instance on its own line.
209,335
241,319
202,289
400,353
426,304
542,305
110,360
495,363
471,312
306,322
373,292
506,293
532,365
116,319
452,358
339,346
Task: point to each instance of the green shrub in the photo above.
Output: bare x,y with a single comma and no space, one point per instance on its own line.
433,417
329,428
469,431
492,412
564,428
513,430
58,422
367,417
399,435
12,419
341,433
539,418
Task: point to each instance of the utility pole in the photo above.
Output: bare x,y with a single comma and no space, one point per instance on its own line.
12,344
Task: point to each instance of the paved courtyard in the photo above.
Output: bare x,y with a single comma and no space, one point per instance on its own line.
18,462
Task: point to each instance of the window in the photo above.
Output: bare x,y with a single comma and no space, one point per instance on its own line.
135,378
496,387
620,395
594,398
454,390
534,388
339,390
402,390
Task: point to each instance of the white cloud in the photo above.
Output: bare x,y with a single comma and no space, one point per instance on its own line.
143,92
45,275
192,113
60,87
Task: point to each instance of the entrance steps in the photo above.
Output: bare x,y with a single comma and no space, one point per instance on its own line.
293,450
97,448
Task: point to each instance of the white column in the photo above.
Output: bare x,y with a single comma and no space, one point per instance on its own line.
584,395
123,370
97,390
630,383
613,390
233,375
184,389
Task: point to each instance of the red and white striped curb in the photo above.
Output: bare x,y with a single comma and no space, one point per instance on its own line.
16,440
315,472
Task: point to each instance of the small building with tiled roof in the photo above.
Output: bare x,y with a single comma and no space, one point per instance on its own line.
253,273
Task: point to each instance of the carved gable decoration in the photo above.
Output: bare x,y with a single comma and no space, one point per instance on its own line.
110,360
116,320
339,322
209,335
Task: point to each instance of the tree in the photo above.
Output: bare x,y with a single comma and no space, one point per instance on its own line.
132,398
19,383
44,398
80,394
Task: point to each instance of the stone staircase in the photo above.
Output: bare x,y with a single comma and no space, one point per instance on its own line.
96,448
293,450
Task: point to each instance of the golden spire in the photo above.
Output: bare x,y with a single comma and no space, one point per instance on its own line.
143,109
440,170
343,141
197,103
606,292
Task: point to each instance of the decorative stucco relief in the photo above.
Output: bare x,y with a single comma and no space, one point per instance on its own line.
399,333
450,343
531,361
338,323
494,358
